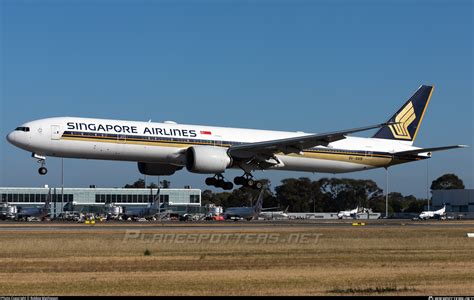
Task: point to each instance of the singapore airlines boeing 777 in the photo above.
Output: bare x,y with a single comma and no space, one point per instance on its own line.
163,148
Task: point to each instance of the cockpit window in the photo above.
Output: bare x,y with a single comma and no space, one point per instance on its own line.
26,129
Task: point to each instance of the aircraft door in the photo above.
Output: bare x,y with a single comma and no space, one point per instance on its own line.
55,132
121,138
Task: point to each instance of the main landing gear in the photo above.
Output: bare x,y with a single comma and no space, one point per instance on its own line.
218,181
248,181
41,160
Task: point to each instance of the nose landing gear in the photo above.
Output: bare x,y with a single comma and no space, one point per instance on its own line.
42,160
42,171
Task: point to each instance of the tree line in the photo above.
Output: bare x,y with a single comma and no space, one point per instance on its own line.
323,195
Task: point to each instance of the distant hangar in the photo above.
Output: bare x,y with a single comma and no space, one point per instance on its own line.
459,203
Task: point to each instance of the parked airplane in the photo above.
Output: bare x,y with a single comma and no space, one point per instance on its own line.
440,213
246,212
348,213
38,213
164,148
153,209
270,215
8,211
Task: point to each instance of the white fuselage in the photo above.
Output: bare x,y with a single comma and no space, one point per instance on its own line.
432,214
165,143
348,213
268,215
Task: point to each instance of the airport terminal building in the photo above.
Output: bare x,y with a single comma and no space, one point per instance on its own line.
93,200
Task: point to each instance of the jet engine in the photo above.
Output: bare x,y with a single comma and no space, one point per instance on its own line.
207,159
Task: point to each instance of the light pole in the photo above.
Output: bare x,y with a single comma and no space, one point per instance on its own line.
386,193
159,198
427,184
62,185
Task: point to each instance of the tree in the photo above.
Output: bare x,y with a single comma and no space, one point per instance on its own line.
396,201
166,184
152,186
415,206
447,182
345,193
246,196
299,194
206,197
139,184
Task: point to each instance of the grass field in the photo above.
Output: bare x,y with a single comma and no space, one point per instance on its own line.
344,260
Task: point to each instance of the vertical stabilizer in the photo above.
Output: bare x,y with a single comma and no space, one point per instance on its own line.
408,118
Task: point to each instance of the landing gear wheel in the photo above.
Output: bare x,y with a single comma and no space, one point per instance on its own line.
227,186
239,180
219,181
42,171
41,160
249,182
211,181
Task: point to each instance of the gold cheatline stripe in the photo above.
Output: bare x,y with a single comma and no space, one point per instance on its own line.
376,160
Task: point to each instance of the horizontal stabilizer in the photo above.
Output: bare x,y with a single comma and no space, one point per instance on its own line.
426,150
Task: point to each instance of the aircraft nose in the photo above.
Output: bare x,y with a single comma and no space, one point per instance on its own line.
11,137
18,139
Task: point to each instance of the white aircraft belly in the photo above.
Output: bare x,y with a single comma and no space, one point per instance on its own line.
117,151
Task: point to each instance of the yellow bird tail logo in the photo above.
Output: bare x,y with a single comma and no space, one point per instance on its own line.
404,119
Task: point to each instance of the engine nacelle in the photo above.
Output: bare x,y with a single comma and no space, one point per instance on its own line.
157,168
207,159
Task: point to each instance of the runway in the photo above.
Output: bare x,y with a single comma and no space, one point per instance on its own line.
226,225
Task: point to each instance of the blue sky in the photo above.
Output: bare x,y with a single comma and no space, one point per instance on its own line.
313,66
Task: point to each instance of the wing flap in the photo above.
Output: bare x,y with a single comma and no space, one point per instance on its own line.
294,144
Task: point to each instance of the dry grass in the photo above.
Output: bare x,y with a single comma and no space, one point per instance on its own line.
404,260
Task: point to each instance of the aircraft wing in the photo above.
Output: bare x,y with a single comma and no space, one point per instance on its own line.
292,145
426,150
